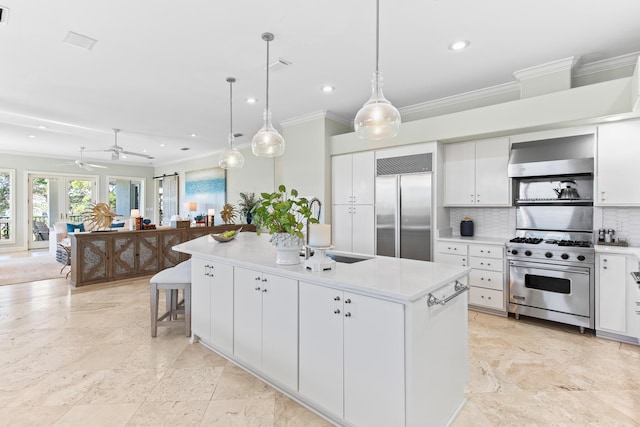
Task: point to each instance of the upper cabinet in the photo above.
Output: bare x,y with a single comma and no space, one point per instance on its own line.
353,177
475,173
617,164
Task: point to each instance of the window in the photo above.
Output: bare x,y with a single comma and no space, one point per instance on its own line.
7,206
124,194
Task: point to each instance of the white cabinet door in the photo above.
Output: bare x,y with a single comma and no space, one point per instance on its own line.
492,182
373,348
341,179
201,298
460,260
362,229
459,174
280,330
247,316
363,178
611,313
221,306
341,228
321,347
617,164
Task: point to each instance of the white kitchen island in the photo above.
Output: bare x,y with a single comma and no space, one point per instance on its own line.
366,344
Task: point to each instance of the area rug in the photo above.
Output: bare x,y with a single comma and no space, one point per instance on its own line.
29,269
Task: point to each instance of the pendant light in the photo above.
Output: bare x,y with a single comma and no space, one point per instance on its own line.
378,118
231,157
267,142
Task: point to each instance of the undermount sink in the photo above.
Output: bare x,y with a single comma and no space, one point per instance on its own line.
345,258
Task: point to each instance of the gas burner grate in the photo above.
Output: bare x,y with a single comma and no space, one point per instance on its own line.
529,240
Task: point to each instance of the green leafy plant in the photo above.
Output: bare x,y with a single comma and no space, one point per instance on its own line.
282,212
247,202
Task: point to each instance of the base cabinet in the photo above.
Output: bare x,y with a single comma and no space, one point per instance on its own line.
345,341
616,297
212,303
265,318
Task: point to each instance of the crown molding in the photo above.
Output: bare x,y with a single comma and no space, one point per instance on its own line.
547,68
607,64
462,97
323,114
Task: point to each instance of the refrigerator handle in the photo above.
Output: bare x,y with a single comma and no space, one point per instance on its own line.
397,215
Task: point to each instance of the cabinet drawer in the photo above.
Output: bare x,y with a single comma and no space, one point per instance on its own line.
486,251
460,260
487,279
486,298
492,264
452,248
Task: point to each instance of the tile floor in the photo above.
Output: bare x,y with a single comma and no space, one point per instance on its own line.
84,357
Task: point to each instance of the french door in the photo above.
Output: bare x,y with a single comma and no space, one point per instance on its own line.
54,198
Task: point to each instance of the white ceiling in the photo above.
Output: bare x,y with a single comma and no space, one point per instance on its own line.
158,70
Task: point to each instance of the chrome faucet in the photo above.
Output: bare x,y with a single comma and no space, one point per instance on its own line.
307,249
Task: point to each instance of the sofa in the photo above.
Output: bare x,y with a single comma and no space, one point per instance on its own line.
59,233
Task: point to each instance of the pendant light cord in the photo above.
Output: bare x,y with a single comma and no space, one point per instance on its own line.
267,100
377,35
231,115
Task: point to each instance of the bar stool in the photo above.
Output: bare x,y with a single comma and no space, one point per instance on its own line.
172,280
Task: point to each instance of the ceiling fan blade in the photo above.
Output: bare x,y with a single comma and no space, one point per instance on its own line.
137,154
86,167
97,166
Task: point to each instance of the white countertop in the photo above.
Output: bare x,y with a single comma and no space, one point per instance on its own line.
396,279
622,250
474,239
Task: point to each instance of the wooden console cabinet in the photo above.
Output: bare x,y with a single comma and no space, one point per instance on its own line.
107,256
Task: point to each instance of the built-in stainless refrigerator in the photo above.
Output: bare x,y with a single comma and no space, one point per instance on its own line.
403,206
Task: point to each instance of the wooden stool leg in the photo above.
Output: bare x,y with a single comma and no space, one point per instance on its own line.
154,310
186,292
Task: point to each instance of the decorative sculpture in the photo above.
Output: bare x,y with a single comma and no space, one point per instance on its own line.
99,216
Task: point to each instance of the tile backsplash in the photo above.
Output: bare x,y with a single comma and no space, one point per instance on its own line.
487,222
625,222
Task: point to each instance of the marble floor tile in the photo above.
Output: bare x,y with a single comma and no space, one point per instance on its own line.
85,356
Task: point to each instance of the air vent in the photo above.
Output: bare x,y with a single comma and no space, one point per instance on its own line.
79,40
4,15
279,64
416,163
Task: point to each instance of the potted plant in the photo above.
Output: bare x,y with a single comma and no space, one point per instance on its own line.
246,203
284,215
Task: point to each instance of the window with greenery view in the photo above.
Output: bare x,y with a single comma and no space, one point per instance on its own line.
7,220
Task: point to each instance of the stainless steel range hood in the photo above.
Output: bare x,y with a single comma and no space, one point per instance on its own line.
570,155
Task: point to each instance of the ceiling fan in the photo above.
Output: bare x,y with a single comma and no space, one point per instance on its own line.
82,164
116,150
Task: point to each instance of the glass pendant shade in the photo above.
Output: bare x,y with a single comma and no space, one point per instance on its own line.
231,158
267,142
378,118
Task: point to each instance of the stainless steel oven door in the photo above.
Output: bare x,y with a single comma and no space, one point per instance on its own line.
560,288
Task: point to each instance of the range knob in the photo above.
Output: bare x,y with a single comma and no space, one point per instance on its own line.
527,253
514,252
581,258
564,256
548,255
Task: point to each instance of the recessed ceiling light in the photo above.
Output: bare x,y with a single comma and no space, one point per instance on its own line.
193,135
251,100
162,145
328,88
42,127
459,45
32,136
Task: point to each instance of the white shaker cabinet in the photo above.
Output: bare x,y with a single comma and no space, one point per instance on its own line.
265,324
617,164
345,341
212,303
475,173
616,309
353,219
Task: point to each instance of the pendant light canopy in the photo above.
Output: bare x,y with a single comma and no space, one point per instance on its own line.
267,142
231,158
378,118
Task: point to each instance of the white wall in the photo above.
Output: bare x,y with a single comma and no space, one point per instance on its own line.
23,165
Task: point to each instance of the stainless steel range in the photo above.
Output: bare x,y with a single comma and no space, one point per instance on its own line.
551,258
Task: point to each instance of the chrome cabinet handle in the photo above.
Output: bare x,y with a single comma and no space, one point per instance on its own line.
257,288
347,314
264,280
336,311
264,290
257,278
336,299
